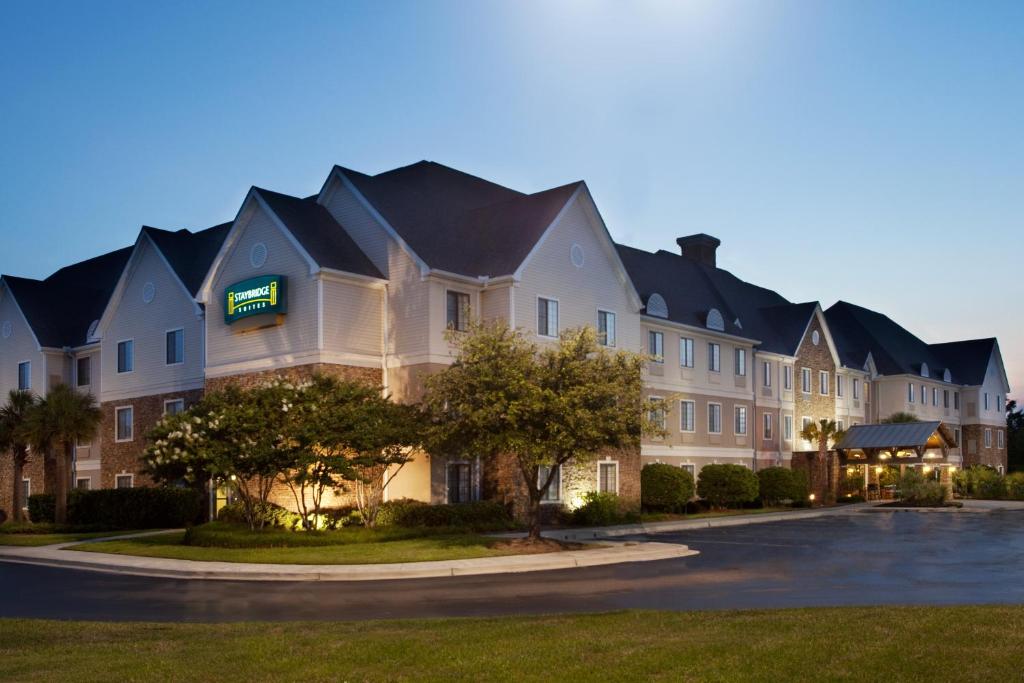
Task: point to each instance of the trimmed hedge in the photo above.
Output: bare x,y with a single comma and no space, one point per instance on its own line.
270,514
601,509
664,487
480,515
777,484
724,485
1015,486
135,508
42,507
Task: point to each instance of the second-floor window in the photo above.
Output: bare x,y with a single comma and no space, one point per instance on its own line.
787,428
956,400
606,328
686,416
656,412
856,389
767,373
840,385
741,361
767,426
988,438
656,346
25,376
124,427
787,377
741,420
924,395
910,392
823,383
126,356
457,305
714,418
685,352
805,380
547,317
1000,439
83,371
714,357
935,396
175,343
986,400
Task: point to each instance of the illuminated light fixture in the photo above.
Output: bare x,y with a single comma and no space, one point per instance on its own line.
883,456
878,469
952,468
927,469
810,497
851,470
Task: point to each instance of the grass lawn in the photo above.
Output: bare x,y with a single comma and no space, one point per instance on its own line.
25,535
230,543
847,644
671,516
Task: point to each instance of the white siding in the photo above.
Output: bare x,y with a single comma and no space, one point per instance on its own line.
352,215
147,324
494,304
20,346
352,318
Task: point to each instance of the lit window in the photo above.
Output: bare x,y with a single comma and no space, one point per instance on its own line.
83,371
714,357
656,346
741,420
175,347
554,492
714,418
547,317
608,477
686,416
741,362
125,356
787,427
685,352
787,377
125,424
25,376
606,328
457,311
840,385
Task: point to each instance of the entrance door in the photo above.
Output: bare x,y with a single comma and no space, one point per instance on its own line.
459,483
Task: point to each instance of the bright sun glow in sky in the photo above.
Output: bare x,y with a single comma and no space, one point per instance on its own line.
849,149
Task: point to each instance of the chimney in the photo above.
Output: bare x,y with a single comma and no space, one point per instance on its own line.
700,248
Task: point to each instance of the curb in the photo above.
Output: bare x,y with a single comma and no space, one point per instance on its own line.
228,571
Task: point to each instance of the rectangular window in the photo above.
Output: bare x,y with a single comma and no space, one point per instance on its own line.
554,492
767,426
804,421
685,352
956,436
856,389
26,491
686,416
787,377
656,346
841,425
1000,442
656,412
606,328
25,376
608,477
986,400
125,356
823,383
714,418
459,483
175,347
174,406
935,396
457,311
741,362
83,371
741,420
945,398
83,483
805,380
956,400
910,392
547,317
787,427
124,481
840,382
924,395
988,438
714,357
125,424
690,468
767,367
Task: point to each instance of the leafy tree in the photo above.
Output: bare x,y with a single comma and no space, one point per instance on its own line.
544,408
899,418
1014,437
824,433
56,422
15,440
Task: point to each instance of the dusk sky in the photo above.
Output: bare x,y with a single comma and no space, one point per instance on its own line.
865,151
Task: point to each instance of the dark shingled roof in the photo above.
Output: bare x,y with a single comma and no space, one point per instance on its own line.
190,253
967,360
319,234
61,308
858,331
897,435
457,222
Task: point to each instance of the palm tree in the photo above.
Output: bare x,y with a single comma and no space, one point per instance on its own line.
822,432
64,417
14,440
898,418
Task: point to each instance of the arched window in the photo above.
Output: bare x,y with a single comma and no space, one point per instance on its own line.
715,321
656,306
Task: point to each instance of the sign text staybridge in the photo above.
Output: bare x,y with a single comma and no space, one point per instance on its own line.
255,296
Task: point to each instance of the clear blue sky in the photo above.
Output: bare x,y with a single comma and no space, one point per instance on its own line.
869,151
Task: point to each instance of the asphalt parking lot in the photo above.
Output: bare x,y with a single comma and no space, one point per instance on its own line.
858,559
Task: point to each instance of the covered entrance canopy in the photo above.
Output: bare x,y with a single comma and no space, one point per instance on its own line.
903,443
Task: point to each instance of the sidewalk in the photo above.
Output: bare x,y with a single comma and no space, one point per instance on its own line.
57,556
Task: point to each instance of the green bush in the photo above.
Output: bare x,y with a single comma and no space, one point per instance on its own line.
778,484
601,509
915,489
724,485
1015,486
980,481
42,507
268,515
135,508
664,487
478,516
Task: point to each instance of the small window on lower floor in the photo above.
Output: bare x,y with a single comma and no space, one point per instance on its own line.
26,491
460,488
554,492
691,469
124,481
175,406
608,477
83,483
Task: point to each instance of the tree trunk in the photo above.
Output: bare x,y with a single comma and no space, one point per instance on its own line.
18,514
61,492
534,518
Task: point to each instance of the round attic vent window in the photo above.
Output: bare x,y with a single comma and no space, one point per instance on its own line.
148,292
576,255
258,255
7,329
815,337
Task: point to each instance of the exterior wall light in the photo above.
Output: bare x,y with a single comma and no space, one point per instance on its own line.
927,469
878,469
811,497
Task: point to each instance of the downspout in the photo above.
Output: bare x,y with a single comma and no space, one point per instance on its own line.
73,474
753,381
385,301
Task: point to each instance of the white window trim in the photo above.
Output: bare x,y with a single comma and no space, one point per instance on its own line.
736,355
166,332
654,357
717,346
826,376
787,419
746,420
856,389
693,347
468,295
552,501
18,378
693,415
767,428
1000,439
173,400
810,382
122,473
988,438
766,381
117,346
88,479
117,411
840,381
911,392
536,316
787,378
615,324
608,462
714,403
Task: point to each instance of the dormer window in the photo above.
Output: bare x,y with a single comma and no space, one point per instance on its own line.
715,321
656,306
924,370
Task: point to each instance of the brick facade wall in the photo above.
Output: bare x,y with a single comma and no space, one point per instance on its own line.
371,376
817,358
973,446
35,470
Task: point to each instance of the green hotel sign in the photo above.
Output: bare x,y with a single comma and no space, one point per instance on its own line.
255,296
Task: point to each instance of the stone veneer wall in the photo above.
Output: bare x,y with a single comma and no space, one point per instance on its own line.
813,405
993,457
125,457
41,476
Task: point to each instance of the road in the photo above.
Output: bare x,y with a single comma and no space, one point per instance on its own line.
861,559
